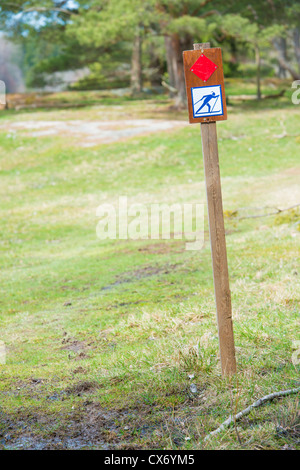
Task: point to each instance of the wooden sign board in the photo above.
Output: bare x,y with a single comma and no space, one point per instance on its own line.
203,70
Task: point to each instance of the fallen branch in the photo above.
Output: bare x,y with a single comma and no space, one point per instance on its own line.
169,87
246,411
274,95
277,211
254,97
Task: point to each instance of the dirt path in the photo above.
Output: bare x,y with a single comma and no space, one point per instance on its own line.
90,133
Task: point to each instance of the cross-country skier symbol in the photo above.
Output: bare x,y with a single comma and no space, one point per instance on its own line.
207,99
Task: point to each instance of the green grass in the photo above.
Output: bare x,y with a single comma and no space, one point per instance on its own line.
102,336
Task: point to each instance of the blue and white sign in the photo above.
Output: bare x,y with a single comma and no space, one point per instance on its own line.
207,101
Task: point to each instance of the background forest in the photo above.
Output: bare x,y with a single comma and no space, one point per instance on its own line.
139,43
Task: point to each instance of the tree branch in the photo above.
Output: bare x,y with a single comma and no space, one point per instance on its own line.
246,411
209,13
45,9
199,7
278,211
40,9
169,87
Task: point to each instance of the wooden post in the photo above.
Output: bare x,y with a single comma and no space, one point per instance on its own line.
218,242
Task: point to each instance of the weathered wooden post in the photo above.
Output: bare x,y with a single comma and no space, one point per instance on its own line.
207,104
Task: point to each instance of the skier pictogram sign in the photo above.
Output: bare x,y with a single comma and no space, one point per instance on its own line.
205,85
207,101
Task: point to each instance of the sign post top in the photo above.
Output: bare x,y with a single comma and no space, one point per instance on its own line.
204,79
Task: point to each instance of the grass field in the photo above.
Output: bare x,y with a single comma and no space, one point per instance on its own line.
104,338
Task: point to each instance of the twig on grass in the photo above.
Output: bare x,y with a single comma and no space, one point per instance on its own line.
277,211
246,411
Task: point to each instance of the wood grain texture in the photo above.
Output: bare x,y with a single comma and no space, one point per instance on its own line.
191,80
218,247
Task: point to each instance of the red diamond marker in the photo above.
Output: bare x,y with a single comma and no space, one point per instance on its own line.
203,68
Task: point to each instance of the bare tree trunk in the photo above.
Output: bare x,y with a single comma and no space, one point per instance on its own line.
170,65
281,45
296,38
179,72
257,61
136,65
175,69
283,62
